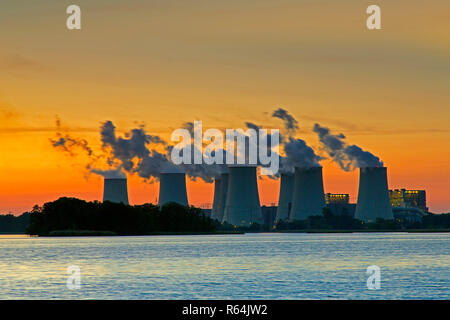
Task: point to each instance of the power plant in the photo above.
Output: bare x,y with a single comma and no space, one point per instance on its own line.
403,198
172,188
373,195
285,197
308,198
339,204
115,190
236,197
242,206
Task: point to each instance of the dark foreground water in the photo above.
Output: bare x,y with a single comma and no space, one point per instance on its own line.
251,266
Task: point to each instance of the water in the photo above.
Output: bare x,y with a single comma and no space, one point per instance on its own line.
251,266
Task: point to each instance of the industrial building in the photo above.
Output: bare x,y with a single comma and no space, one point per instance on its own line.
408,214
343,198
373,195
308,197
408,199
339,204
115,190
236,197
242,206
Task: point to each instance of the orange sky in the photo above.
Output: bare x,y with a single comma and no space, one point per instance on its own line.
164,63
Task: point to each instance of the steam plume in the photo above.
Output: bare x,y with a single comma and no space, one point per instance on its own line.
290,123
69,144
297,151
348,157
134,151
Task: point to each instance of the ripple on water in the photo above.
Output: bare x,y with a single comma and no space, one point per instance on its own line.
254,266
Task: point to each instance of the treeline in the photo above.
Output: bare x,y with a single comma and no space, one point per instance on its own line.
436,221
14,224
72,214
328,221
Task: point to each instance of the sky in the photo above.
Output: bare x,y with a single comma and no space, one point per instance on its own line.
165,62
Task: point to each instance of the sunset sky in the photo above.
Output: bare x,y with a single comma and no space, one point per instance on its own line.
165,62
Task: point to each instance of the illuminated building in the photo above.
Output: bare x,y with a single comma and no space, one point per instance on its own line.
409,199
337,198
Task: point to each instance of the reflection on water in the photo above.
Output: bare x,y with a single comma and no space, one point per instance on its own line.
251,266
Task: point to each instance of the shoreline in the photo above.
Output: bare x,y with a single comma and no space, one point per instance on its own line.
92,233
367,231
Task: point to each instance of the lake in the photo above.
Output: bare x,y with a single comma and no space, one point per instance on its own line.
250,266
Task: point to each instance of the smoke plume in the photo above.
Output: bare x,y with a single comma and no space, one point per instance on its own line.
297,152
134,152
69,144
109,174
290,123
204,171
348,157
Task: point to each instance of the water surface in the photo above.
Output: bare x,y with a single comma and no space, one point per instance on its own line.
250,266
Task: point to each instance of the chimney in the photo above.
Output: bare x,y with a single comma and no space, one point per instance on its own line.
172,188
373,195
285,198
308,198
242,206
115,190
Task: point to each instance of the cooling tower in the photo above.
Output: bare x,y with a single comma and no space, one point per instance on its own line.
172,188
285,198
242,206
115,190
308,198
373,195
217,192
222,197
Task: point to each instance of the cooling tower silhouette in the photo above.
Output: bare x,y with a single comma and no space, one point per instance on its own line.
115,190
285,198
220,200
308,198
242,206
223,196
217,191
172,188
373,195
